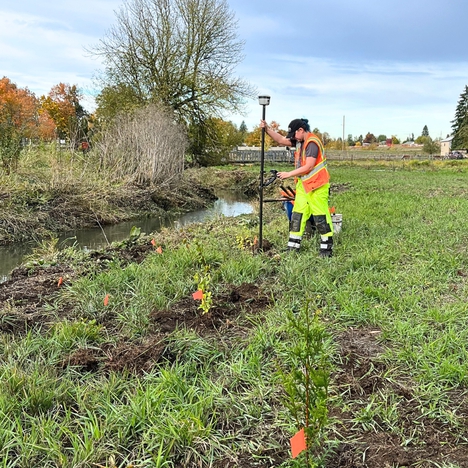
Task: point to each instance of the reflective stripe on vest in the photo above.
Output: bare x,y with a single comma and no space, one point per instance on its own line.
314,171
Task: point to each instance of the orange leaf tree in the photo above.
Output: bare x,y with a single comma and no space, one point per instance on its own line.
19,119
254,138
63,106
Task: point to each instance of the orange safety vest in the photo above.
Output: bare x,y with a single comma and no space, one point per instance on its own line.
319,175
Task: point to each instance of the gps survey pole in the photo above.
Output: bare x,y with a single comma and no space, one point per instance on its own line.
263,101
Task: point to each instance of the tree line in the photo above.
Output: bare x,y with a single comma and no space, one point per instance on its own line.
176,58
23,116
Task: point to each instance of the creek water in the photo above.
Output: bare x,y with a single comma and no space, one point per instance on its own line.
228,204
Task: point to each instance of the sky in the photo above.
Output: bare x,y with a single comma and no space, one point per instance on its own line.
386,67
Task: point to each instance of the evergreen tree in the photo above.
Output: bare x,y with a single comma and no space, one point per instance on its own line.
425,131
243,128
460,121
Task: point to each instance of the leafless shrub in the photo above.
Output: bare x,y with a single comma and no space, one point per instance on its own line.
145,147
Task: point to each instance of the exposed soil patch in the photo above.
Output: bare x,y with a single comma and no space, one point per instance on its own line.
23,296
138,357
403,433
131,254
226,307
141,356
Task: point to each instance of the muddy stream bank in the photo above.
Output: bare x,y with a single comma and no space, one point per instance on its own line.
229,203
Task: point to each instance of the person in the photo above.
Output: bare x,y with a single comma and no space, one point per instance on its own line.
312,184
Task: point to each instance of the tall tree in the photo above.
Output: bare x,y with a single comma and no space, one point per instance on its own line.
63,106
19,119
460,121
462,136
324,136
179,53
218,139
381,138
243,130
114,100
254,138
425,131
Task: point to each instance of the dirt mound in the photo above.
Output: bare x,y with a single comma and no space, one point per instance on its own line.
138,357
415,435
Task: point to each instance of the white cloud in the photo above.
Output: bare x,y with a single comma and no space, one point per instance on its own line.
390,66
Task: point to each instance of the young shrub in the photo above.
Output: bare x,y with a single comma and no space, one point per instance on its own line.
306,383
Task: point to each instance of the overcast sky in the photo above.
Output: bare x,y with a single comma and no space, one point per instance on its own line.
381,66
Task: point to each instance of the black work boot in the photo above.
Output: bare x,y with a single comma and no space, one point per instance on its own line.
326,246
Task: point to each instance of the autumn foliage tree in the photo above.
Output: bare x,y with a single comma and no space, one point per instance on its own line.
19,120
254,138
63,106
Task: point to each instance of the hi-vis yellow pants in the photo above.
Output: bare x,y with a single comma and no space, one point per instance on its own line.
314,203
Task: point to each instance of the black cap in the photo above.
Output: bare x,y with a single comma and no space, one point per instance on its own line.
295,125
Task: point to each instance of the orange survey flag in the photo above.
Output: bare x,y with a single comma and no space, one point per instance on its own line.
153,242
106,299
198,295
159,250
60,281
298,443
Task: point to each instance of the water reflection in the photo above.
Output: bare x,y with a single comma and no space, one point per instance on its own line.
231,204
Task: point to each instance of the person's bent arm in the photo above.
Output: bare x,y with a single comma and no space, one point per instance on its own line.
280,139
305,169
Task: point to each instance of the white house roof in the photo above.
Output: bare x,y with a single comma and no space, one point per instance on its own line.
447,140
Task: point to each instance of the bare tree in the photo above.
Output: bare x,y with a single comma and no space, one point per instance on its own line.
145,147
181,53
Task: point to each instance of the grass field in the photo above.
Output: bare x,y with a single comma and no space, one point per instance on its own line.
107,360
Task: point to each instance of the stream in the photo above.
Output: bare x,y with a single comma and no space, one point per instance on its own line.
228,204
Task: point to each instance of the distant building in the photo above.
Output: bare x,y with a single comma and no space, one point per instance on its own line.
446,146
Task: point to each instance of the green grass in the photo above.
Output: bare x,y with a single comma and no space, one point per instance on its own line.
400,267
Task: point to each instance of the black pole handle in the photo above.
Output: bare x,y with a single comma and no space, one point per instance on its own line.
262,169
